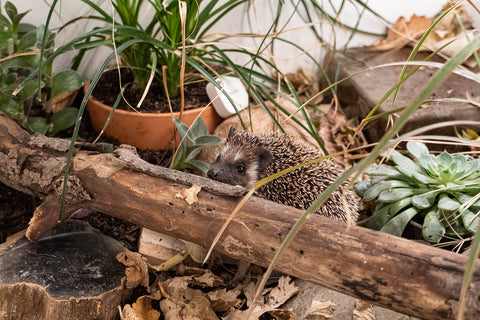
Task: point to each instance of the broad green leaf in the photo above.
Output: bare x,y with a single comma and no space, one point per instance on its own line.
38,124
361,187
419,176
30,89
382,170
424,200
395,194
379,218
24,28
404,162
448,204
208,140
433,230
456,229
375,190
198,128
416,149
63,119
11,10
201,165
11,108
398,223
6,39
27,41
470,220
4,22
445,158
395,207
192,153
181,127
66,80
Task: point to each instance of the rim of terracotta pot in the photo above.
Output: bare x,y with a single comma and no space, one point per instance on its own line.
145,130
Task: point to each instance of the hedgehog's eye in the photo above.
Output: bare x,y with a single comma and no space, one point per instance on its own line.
240,168
218,158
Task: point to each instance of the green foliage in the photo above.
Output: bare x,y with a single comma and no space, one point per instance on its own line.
165,24
193,139
19,51
443,190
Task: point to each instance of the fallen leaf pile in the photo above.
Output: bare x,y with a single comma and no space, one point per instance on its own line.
196,293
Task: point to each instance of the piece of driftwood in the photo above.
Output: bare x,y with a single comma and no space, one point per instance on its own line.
72,274
388,271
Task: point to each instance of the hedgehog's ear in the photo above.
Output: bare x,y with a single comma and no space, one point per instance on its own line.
231,132
265,156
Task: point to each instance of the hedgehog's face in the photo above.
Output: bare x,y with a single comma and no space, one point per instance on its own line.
240,161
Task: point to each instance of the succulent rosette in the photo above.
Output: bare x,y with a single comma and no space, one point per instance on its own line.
442,191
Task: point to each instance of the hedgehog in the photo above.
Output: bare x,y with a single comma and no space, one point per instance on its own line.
247,158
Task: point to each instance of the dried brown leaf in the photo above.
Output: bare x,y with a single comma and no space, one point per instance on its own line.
403,31
137,269
196,309
140,310
363,310
175,287
282,292
201,277
222,300
320,310
190,194
282,314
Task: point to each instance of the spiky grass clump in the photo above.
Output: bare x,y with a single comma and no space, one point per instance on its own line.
443,190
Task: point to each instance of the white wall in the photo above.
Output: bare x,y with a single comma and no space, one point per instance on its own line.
287,58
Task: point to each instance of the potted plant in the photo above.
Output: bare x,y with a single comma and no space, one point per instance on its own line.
29,92
170,63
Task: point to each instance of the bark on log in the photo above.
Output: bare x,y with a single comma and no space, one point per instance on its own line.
389,271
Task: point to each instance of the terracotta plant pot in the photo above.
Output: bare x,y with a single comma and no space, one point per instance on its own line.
146,130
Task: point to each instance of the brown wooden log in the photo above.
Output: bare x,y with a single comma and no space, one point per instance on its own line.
389,271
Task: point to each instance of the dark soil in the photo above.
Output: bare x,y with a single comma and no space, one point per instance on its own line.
108,89
16,209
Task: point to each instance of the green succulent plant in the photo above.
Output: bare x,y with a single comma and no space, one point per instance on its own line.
443,190
193,139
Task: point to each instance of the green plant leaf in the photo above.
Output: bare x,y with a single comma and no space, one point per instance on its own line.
6,39
395,194
38,124
382,170
433,230
63,119
12,108
416,149
181,127
11,10
208,140
376,189
379,217
404,162
470,220
198,128
448,204
424,200
66,80
192,153
201,165
398,223
397,206
27,41
361,187
445,158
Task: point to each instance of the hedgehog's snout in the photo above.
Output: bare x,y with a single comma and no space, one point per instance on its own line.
213,173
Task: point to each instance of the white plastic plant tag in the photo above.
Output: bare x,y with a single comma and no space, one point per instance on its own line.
235,89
